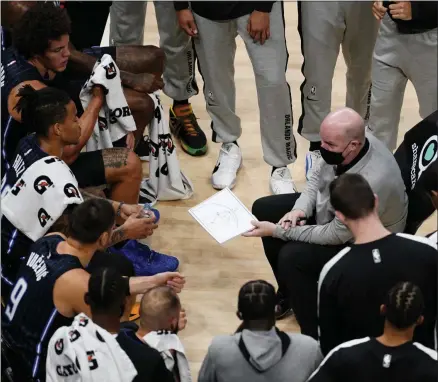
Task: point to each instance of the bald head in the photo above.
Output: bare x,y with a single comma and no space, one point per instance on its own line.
160,308
343,124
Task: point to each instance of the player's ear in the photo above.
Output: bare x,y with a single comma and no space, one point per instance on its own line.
340,216
382,309
420,320
87,298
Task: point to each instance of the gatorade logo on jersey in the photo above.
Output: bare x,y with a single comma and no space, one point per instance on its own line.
111,71
71,191
387,361
376,256
42,184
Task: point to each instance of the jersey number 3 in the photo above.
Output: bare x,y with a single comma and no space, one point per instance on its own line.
15,298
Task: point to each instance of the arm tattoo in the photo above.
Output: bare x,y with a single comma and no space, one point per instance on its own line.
117,236
116,157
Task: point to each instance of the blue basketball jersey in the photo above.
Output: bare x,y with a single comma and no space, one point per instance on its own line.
30,317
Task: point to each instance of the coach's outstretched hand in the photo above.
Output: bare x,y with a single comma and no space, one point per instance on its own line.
261,229
187,22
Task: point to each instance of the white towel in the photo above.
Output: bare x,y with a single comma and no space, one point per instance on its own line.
115,119
29,205
166,180
164,341
84,352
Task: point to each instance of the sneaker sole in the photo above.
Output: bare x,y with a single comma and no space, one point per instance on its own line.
186,148
273,193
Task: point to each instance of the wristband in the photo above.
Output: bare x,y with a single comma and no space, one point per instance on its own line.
119,210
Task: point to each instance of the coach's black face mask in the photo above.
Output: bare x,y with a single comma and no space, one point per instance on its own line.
332,157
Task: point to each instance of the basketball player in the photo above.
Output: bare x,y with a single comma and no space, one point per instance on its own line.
259,351
106,297
127,28
51,114
324,27
38,59
353,284
261,26
393,356
52,283
406,49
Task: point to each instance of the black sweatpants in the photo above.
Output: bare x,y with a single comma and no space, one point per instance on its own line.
296,265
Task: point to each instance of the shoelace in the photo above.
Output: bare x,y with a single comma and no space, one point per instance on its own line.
188,123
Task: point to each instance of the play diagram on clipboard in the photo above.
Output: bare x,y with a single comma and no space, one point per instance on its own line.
223,216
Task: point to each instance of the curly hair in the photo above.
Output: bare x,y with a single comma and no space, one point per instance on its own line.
40,24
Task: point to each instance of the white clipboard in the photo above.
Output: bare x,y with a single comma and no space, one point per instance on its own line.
223,216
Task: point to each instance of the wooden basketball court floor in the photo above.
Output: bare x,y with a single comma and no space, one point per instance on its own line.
215,273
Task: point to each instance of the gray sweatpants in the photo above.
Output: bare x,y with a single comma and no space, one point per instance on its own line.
216,49
324,26
127,28
398,58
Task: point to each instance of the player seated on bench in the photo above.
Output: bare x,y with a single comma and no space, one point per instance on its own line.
50,115
41,53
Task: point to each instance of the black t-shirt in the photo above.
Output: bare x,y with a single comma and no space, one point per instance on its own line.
354,284
30,317
424,17
367,360
224,10
147,361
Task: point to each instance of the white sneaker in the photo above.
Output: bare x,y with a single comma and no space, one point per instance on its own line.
311,158
281,182
229,162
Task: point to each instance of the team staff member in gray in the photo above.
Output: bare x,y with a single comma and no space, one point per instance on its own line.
127,28
297,251
324,26
406,49
261,26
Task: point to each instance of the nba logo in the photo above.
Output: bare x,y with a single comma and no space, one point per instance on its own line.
376,256
387,361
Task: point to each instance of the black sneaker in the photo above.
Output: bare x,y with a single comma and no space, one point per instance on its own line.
142,149
185,127
282,308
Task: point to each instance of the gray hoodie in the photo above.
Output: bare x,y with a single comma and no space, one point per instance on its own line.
225,361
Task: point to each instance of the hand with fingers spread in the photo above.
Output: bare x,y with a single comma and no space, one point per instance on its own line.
292,219
174,280
182,322
259,26
261,229
187,23
402,10
379,10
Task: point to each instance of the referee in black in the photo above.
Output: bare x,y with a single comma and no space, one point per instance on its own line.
353,284
391,357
